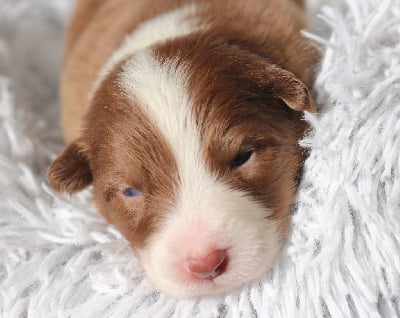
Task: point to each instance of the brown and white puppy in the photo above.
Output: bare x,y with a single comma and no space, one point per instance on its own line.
185,116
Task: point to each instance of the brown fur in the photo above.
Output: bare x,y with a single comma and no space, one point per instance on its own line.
238,100
244,73
97,26
140,159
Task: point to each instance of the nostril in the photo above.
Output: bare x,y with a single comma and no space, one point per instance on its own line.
208,266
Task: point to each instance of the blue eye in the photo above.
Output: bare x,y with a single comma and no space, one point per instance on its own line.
131,192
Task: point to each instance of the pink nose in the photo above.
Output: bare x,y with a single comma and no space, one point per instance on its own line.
209,266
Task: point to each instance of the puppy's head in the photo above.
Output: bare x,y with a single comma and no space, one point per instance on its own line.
192,152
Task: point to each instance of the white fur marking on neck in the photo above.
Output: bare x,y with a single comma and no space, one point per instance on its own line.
167,26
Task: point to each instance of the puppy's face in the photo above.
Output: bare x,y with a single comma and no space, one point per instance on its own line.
193,155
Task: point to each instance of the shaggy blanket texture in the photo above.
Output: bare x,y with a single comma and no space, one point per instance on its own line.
59,259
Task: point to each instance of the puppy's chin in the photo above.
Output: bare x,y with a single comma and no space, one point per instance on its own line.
236,226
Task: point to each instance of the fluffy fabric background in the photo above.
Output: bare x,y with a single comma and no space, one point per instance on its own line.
58,258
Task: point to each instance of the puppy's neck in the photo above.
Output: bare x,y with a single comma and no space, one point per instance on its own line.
170,25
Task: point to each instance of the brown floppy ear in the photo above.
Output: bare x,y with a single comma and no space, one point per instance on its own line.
287,87
70,171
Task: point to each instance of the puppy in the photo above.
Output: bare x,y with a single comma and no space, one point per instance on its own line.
185,116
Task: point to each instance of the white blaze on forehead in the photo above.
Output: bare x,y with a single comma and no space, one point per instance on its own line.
161,91
169,25
225,218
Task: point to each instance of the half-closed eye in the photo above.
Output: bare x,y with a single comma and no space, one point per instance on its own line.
241,158
132,192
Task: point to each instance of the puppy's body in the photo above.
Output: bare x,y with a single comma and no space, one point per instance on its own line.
185,117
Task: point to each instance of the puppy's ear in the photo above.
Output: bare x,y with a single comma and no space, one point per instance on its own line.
70,171
285,86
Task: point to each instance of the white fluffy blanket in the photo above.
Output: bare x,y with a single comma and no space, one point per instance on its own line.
59,259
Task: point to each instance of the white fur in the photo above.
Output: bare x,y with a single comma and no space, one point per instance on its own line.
229,219
161,28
